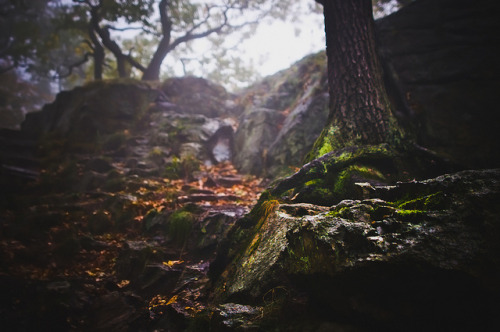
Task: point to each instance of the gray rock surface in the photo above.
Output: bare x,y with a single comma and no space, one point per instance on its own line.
428,249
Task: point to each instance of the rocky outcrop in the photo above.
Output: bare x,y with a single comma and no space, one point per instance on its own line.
283,116
193,95
415,256
95,109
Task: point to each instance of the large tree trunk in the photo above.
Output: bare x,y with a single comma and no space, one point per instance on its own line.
360,111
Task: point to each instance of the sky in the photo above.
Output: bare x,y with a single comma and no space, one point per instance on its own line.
274,46
278,45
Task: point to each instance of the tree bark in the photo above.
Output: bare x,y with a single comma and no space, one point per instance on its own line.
360,111
109,43
152,72
97,53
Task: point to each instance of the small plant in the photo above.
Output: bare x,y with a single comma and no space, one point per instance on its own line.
189,164
173,169
182,168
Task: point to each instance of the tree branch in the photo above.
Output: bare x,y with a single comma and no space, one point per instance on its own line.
192,36
73,66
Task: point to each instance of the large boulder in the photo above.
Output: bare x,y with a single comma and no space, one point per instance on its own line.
101,107
194,95
420,255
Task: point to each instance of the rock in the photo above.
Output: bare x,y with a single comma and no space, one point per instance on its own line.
299,132
257,128
193,95
99,165
135,257
439,54
441,87
281,137
214,228
112,311
433,241
236,316
192,135
98,108
220,145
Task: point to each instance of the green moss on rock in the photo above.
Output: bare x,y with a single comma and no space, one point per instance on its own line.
180,224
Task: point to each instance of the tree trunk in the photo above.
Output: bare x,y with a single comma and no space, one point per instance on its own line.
152,72
360,111
98,54
109,43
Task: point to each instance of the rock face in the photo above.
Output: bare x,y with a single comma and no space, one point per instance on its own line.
417,256
440,53
283,116
97,108
195,95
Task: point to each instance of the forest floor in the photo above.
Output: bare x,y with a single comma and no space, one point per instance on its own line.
64,255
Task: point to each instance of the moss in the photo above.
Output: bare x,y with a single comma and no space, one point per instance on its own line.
412,216
265,210
184,167
324,144
325,148
306,255
189,164
345,177
342,212
409,212
435,201
173,169
180,226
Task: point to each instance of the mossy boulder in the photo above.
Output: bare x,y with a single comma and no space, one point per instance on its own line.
382,259
98,108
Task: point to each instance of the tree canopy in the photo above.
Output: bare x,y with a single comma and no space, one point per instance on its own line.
122,38
71,41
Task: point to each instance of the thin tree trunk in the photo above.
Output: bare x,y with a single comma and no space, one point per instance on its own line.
360,111
98,54
109,43
152,72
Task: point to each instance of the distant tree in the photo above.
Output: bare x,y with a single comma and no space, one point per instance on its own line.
21,28
170,23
